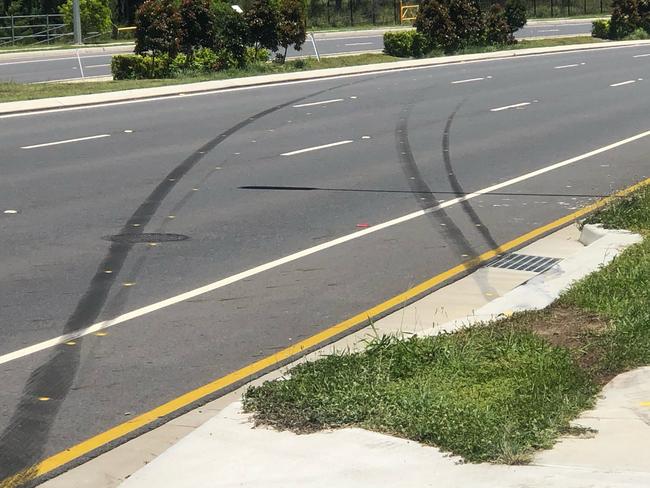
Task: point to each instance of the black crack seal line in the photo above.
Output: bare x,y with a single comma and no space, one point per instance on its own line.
458,189
439,219
22,443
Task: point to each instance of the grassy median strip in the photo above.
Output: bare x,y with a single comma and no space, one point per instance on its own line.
495,392
10,91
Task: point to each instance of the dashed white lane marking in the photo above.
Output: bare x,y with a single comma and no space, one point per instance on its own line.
26,351
569,66
516,105
549,30
67,141
311,104
641,55
469,80
359,44
97,66
315,148
11,211
628,82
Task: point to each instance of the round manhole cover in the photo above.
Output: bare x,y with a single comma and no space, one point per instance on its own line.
147,238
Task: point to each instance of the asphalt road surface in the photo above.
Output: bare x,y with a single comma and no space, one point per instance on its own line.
228,183
64,65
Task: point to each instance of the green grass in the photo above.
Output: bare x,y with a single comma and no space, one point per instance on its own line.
10,91
496,392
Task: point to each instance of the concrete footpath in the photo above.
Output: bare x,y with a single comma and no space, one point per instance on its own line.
217,445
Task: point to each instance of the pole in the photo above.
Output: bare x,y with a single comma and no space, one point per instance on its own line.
551,8
313,43
76,22
47,27
535,8
351,14
13,32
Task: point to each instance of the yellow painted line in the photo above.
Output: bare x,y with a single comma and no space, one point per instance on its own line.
188,398
645,404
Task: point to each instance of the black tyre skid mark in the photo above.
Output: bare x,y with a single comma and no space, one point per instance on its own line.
22,443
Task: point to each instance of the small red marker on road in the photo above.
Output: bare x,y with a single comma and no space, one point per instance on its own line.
363,225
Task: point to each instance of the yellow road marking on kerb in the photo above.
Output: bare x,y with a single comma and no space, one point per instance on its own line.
176,404
645,404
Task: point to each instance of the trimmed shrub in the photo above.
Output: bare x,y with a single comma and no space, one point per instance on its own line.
434,23
497,29
638,35
138,67
197,25
600,29
257,56
158,28
625,18
515,14
405,44
291,25
95,15
231,32
262,18
398,44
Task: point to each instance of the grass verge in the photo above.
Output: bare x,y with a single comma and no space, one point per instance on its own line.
495,392
10,91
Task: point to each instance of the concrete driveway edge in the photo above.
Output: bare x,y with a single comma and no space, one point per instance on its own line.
18,107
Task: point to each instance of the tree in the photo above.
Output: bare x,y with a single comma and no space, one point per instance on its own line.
625,18
158,28
434,23
197,25
292,29
262,20
515,11
230,31
95,15
497,29
468,22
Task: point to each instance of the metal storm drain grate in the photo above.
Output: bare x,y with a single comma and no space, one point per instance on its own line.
523,262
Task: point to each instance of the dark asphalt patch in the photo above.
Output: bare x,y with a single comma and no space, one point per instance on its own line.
148,238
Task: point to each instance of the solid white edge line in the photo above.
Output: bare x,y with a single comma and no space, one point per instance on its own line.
9,63
623,83
315,148
566,66
56,143
466,81
311,104
216,91
516,105
5,358
97,66
359,44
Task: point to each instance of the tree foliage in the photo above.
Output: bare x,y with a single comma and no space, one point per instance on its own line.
434,22
95,15
231,33
262,19
158,27
515,11
625,18
292,29
497,29
197,25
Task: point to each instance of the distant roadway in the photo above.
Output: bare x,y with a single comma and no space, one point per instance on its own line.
64,65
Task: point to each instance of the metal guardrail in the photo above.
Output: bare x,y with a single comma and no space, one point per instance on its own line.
36,29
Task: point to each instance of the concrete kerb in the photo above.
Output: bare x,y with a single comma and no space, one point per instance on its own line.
14,108
71,51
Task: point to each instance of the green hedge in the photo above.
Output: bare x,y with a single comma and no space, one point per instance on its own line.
405,44
600,29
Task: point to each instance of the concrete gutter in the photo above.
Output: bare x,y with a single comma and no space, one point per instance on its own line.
11,108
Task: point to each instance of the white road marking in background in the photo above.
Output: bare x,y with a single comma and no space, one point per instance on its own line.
70,58
219,91
569,66
516,105
11,211
641,55
316,148
26,351
311,104
79,139
549,30
97,66
467,81
359,44
624,83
